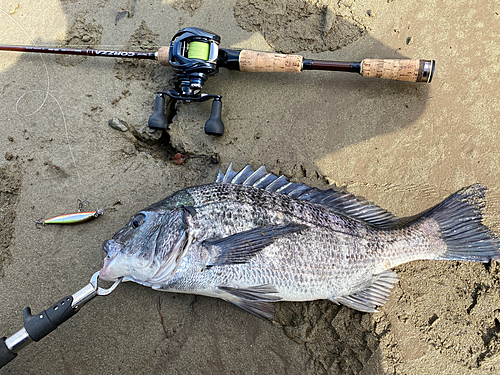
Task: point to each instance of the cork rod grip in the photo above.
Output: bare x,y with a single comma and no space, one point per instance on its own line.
399,70
254,61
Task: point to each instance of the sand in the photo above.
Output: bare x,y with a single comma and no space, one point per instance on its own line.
403,146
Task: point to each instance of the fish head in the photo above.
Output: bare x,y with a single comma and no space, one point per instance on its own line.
147,250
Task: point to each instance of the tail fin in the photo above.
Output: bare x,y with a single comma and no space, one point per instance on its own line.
459,218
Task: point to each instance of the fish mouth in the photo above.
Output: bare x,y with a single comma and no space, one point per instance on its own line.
111,248
110,271
105,274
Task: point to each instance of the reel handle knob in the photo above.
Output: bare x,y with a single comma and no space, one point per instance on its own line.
214,125
158,120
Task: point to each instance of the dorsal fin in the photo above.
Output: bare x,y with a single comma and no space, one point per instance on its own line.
344,203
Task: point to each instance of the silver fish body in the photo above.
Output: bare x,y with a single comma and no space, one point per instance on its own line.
252,238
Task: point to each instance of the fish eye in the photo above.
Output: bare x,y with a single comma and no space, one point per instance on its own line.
138,220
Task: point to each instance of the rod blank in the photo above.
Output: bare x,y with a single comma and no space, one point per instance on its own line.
85,52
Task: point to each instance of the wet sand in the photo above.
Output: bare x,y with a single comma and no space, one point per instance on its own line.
402,146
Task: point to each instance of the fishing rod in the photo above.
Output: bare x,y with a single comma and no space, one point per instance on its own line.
40,325
194,55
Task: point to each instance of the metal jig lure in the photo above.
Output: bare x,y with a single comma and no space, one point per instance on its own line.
73,218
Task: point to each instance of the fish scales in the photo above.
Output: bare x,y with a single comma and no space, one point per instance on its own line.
253,238
341,244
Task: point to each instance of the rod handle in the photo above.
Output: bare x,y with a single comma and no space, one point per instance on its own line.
255,61
399,69
162,56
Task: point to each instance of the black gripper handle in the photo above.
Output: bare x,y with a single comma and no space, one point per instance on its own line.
158,120
40,325
6,355
214,125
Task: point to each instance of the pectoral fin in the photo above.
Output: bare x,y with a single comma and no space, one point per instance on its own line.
375,295
256,300
241,247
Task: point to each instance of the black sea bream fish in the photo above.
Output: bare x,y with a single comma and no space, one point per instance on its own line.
252,238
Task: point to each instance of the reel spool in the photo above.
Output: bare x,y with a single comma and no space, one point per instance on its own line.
199,50
193,55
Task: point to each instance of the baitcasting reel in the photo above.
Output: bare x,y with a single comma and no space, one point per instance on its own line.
193,54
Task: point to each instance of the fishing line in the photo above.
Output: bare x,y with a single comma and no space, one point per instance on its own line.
65,127
47,94
44,65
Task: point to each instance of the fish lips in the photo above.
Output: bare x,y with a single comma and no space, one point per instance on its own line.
112,248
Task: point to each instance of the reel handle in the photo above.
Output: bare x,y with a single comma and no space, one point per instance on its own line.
158,120
214,125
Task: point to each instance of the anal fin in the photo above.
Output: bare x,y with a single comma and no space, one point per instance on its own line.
375,295
257,300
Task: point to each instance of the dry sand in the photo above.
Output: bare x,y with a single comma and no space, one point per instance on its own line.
403,146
